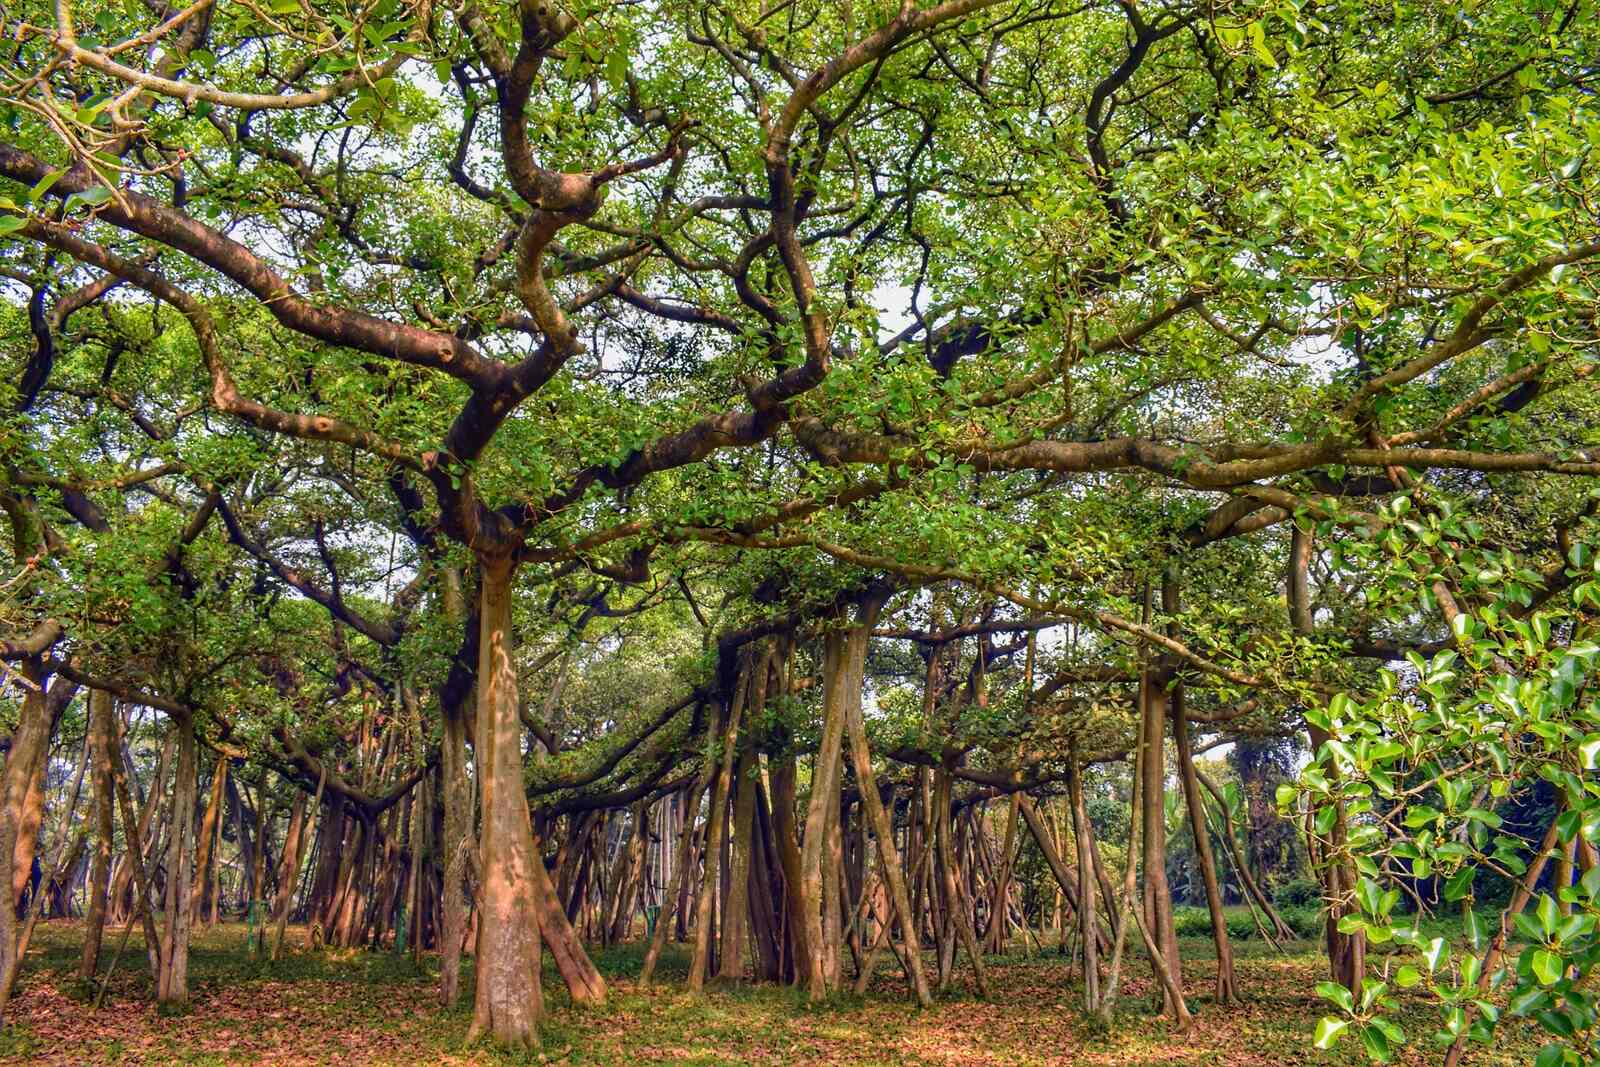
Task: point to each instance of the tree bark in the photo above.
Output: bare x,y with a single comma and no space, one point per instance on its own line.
1227,985
173,988
508,1003
102,761
855,667
1347,953
825,772
700,962
1157,893
1088,930
205,838
289,862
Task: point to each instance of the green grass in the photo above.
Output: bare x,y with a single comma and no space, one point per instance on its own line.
355,1007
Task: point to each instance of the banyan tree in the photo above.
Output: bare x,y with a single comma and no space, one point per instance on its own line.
510,479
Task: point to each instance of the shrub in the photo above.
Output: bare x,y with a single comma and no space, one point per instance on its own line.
1191,921
1305,921
1298,893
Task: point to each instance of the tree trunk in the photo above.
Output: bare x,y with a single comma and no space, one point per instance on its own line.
455,853
1157,893
102,761
1088,930
825,772
29,743
205,838
289,864
1347,953
582,979
671,896
173,988
872,805
955,899
508,1003
699,965
789,858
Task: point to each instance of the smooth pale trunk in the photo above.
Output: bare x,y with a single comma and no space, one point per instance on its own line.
508,1001
173,987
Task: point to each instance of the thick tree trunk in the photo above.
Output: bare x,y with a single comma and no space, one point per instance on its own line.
582,979
103,768
509,1002
29,743
735,926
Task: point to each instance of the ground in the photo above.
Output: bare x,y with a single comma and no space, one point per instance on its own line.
372,1008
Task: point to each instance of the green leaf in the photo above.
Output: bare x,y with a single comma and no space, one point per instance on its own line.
37,192
1547,967
1337,994
1407,976
1328,1031
1476,929
1376,1043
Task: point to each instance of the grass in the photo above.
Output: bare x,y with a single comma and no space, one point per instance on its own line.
356,1007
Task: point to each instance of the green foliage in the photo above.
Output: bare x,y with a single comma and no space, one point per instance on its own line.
1420,766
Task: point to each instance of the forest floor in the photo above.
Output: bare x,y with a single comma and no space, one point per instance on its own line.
371,1008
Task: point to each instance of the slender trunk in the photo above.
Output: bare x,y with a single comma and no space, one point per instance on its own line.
289,863
1129,909
173,988
102,758
699,965
207,835
955,904
1157,893
144,893
455,853
999,908
1088,931
1227,984
789,858
670,894
872,805
1281,930
824,798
